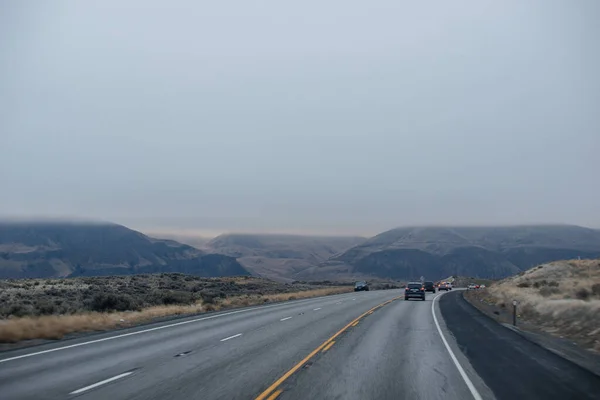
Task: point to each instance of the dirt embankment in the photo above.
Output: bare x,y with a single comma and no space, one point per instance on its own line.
561,298
53,308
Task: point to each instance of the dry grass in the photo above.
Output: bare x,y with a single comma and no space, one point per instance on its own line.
253,300
57,326
562,298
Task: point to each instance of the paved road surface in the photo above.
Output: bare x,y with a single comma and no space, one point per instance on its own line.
360,346
512,366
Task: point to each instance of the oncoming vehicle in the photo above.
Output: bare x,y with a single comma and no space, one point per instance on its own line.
361,286
445,286
429,286
414,290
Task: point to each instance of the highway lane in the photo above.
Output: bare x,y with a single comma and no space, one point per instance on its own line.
226,355
353,346
364,344
395,353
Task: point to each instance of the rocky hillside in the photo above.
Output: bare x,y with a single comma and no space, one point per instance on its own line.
39,250
486,252
281,257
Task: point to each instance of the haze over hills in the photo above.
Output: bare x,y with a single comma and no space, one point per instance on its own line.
83,249
487,252
52,249
278,256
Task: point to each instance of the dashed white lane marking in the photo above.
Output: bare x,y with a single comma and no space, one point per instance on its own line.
353,299
37,353
285,319
317,309
462,372
231,337
114,378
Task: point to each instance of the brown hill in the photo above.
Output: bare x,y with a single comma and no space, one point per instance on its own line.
281,257
35,250
485,252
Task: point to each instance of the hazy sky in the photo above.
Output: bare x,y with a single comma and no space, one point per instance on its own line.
308,116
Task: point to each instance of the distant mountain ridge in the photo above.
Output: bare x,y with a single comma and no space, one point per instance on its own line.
486,252
59,249
281,256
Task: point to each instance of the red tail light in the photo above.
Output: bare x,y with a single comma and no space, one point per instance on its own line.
422,288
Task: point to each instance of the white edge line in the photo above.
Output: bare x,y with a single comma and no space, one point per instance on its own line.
231,337
285,319
316,309
114,378
153,329
462,372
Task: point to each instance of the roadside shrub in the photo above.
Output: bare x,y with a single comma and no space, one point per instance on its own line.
113,302
548,291
582,294
553,283
18,310
176,297
596,289
525,284
53,292
538,284
45,307
208,297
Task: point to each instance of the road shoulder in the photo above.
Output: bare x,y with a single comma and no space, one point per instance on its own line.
559,346
510,365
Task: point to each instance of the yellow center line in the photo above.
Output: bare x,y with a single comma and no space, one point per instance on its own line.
328,346
356,323
274,395
296,367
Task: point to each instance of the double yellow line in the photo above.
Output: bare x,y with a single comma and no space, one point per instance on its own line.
271,390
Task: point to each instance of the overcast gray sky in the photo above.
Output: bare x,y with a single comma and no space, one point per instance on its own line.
309,116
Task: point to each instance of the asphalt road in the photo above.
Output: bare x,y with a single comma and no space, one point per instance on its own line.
512,366
363,345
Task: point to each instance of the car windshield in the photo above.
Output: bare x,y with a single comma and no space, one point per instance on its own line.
361,283
414,285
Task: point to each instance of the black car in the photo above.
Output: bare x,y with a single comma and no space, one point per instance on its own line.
429,286
414,290
361,286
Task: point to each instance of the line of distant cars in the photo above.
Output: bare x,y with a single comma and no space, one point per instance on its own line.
418,289
474,286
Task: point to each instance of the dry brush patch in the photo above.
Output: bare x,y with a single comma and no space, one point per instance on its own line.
562,298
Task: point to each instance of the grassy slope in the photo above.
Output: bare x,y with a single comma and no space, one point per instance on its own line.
561,298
